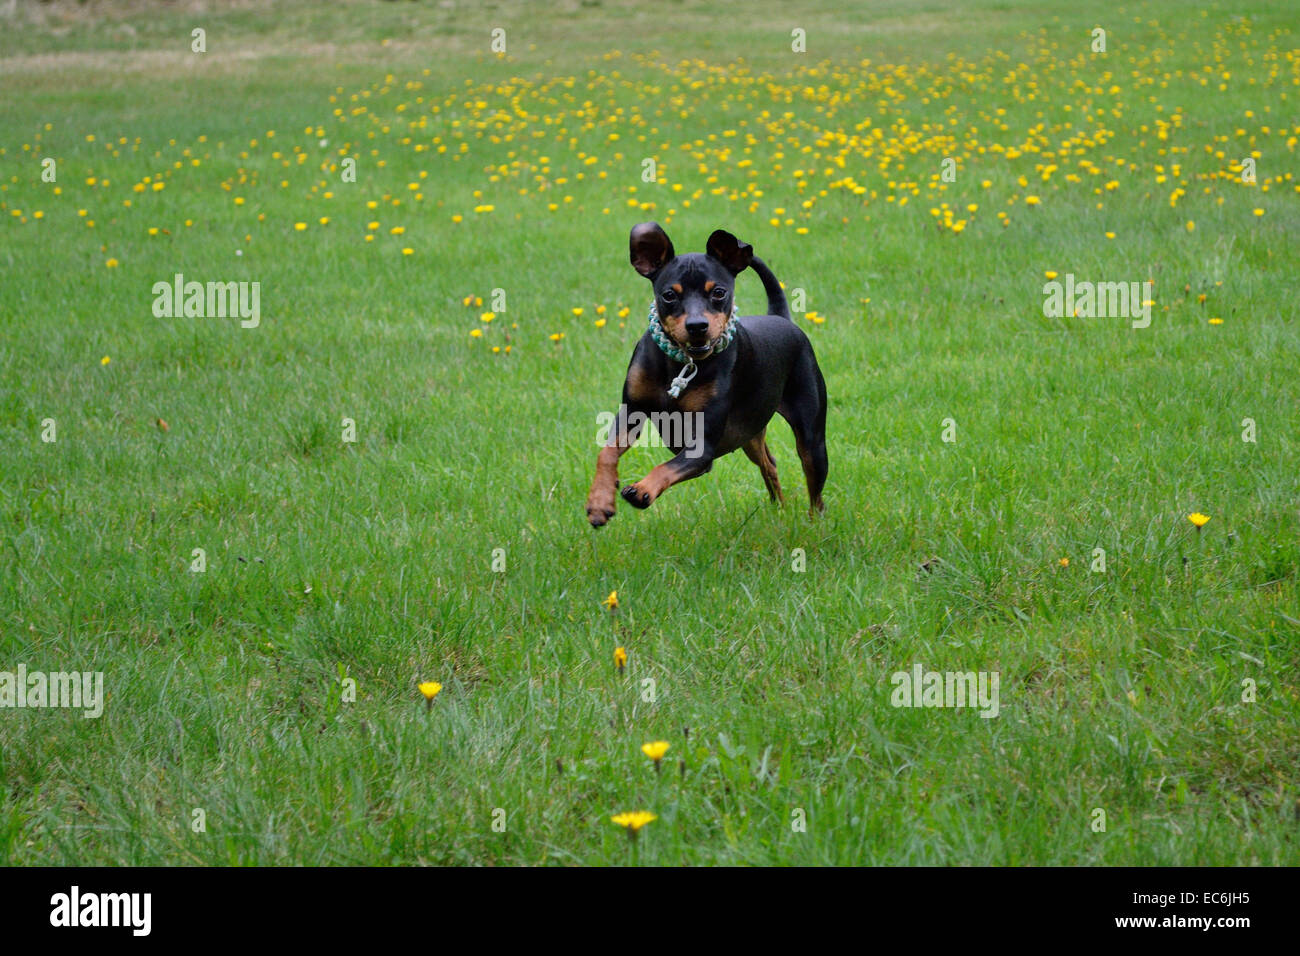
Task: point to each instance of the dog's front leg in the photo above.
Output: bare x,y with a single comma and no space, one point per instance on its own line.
622,436
688,463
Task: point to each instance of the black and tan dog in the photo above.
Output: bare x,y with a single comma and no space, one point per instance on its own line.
698,363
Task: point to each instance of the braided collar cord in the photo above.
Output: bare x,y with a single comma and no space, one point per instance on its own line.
676,354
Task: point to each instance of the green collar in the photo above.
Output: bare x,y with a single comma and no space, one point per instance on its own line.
673,352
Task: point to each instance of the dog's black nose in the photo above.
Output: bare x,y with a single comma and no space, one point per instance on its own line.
697,326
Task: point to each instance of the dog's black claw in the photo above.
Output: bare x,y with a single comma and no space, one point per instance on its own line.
637,499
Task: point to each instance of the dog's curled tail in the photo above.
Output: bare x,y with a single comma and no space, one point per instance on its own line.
776,304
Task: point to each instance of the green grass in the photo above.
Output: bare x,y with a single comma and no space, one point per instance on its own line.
373,560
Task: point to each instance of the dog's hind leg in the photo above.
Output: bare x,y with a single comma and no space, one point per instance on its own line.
757,451
804,407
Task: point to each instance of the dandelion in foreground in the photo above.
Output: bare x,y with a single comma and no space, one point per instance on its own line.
1198,519
611,602
430,690
655,751
620,659
633,822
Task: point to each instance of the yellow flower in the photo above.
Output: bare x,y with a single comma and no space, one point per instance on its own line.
1191,226
324,220
430,689
634,821
1201,297
556,336
610,602
153,230
1259,212
105,360
476,333
408,251
1064,562
620,658
1050,274
600,323
300,226
577,312
397,230
655,750
1031,200
1198,519
1216,321
1110,235
111,263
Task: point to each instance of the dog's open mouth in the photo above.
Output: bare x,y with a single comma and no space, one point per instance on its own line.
698,350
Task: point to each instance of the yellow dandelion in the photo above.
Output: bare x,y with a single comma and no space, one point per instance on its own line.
1216,321
487,316
408,251
1198,519
655,750
476,333
633,822
610,602
1050,274
1031,200
1259,212
1064,562
397,230
577,312
111,263
600,323
556,336
105,360
620,658
299,226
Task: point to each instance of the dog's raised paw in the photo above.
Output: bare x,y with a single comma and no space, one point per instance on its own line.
636,497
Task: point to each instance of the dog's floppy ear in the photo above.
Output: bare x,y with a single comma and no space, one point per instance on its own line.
650,248
730,251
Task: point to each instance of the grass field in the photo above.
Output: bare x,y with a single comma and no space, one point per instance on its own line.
265,709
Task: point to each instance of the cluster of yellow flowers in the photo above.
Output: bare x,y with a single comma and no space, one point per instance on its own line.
818,143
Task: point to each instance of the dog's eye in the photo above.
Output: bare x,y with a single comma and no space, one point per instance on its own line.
668,295
719,294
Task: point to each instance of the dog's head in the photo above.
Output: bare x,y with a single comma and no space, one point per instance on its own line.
693,292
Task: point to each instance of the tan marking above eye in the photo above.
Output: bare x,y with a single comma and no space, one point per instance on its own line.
677,287
708,286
